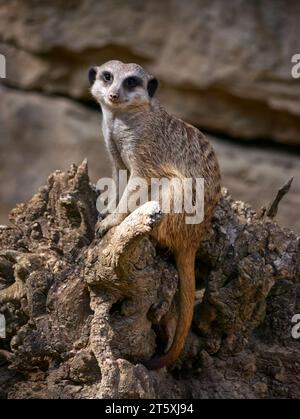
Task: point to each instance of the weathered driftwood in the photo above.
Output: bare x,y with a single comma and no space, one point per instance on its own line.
81,313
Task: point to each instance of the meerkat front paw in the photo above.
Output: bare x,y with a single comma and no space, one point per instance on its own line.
102,226
101,229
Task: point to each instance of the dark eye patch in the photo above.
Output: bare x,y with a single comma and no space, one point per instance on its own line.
107,76
132,82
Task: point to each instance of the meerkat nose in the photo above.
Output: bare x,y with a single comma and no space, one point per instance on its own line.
114,96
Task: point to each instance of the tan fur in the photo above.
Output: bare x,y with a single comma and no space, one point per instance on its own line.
148,142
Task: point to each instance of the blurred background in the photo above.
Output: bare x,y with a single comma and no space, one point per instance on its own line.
223,66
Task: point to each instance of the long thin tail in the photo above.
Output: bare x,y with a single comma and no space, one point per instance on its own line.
185,261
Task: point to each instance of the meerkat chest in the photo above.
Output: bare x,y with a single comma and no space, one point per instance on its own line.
120,138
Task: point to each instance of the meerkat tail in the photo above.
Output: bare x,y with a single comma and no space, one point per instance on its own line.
185,261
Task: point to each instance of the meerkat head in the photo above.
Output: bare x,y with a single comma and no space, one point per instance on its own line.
121,86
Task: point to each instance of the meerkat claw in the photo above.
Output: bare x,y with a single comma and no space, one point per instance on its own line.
100,229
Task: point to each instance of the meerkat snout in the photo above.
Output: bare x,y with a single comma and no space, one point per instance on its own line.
114,96
122,86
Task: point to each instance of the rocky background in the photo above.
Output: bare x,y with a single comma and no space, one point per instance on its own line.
225,68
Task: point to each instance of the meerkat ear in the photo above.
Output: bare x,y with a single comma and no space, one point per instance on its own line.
92,75
152,86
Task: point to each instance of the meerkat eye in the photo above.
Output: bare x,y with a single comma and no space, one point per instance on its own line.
107,76
132,82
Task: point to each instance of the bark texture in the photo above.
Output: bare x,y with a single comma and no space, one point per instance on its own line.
82,313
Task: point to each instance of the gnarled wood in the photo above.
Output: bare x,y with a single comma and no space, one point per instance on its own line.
82,313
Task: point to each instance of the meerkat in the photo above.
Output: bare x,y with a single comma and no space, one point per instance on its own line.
142,138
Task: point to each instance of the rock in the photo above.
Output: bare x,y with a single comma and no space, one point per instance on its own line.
226,69
255,175
40,134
